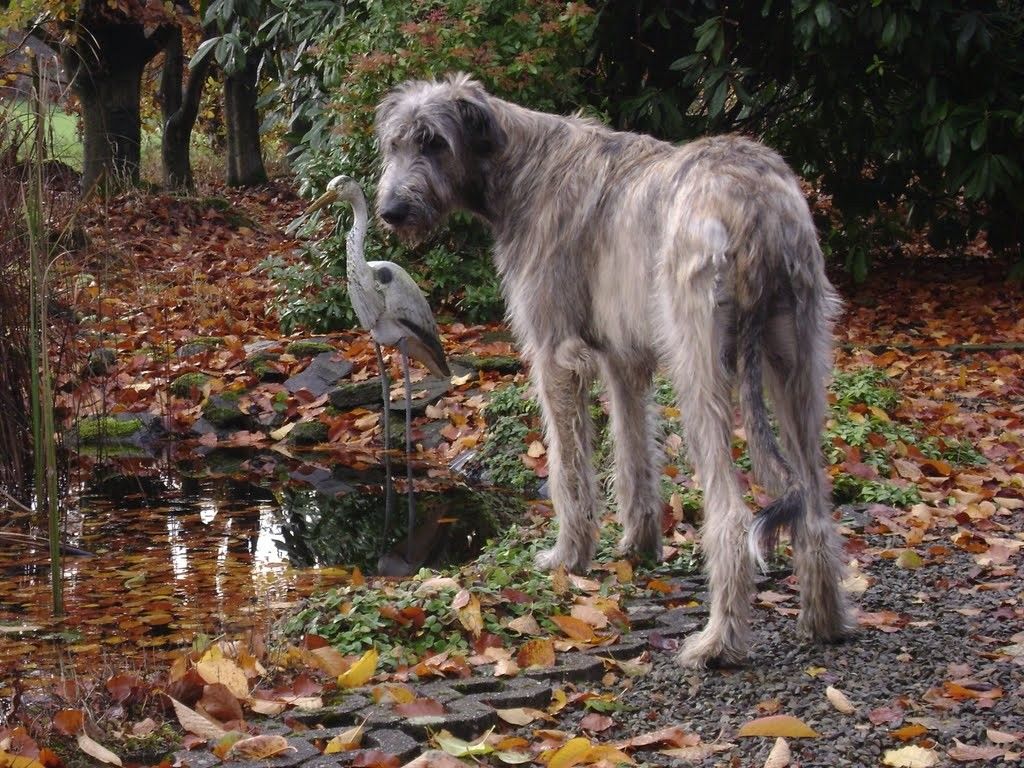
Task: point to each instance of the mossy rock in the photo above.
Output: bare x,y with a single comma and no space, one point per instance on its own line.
357,393
261,368
308,433
223,412
308,348
497,363
199,345
187,383
97,429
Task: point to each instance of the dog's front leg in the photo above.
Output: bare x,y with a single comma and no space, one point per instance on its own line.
564,400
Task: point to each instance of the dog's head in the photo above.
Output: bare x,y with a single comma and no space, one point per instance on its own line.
436,139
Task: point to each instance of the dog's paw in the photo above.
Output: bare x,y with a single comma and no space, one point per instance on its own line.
826,627
640,545
709,649
554,558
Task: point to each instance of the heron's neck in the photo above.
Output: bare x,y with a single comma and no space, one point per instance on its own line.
354,240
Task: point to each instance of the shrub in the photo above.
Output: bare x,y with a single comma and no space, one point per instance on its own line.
525,50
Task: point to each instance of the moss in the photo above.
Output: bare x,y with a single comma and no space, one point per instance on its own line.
184,385
94,429
308,348
497,363
199,345
308,433
352,394
259,365
222,410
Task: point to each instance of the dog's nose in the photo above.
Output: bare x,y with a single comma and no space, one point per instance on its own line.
395,212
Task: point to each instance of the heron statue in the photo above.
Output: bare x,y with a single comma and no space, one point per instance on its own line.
389,305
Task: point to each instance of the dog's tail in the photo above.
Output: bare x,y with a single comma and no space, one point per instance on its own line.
771,466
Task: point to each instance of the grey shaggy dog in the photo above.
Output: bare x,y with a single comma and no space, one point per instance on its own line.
618,252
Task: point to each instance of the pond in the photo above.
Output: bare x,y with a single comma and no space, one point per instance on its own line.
176,552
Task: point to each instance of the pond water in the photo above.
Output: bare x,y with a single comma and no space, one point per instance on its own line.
175,554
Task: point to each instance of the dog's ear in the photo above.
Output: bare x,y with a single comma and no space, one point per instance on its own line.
483,134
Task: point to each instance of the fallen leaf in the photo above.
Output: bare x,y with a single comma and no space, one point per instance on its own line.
966,753
571,753
330,660
513,757
193,722
673,735
910,757
604,754
536,653
595,722
460,748
97,750
259,747
224,671
360,672
469,615
698,752
779,757
908,732
267,707
421,707
343,742
575,628
525,625
778,725
69,721
519,715
7,760
839,700
1001,737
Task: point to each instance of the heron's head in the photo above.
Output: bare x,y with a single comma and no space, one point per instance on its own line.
341,188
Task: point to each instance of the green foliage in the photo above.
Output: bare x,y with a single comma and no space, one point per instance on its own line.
911,105
511,415
867,386
347,57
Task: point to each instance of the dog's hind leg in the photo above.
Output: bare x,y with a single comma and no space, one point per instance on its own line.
694,338
799,358
637,460
564,399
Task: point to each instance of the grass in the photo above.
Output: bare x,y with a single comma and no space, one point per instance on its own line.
62,128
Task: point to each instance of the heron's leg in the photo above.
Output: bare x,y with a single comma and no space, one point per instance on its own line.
389,490
408,441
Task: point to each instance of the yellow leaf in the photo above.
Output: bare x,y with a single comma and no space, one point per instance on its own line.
360,672
536,653
282,432
470,617
7,760
343,742
571,753
536,449
94,749
607,755
226,672
459,748
778,725
558,701
267,707
392,693
878,413
839,700
910,757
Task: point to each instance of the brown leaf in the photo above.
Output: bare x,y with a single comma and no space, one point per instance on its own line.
839,700
674,735
575,628
966,753
193,722
420,708
595,722
536,653
259,747
908,732
374,758
780,756
69,721
220,704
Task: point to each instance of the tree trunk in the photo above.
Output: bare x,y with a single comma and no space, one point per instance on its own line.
245,162
106,66
180,110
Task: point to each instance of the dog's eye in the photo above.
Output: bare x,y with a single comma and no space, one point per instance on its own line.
431,145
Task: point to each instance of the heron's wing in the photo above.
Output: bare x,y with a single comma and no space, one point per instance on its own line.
406,305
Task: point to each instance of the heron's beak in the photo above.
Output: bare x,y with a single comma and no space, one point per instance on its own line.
324,200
